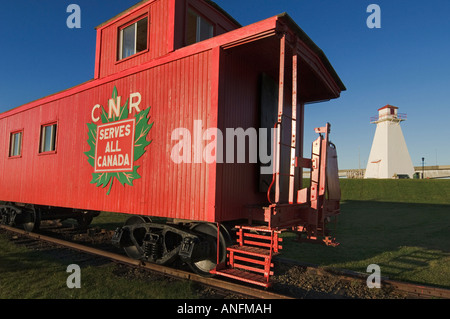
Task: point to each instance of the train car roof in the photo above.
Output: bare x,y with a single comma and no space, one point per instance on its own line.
221,40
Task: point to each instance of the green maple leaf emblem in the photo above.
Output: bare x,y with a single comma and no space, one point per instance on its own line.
140,143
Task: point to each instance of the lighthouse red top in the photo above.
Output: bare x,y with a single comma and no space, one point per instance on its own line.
388,112
388,107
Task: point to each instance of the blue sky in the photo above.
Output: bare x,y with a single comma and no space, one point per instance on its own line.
405,63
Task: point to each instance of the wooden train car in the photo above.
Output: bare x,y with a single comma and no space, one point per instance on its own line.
169,127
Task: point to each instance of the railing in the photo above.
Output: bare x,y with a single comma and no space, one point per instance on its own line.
398,116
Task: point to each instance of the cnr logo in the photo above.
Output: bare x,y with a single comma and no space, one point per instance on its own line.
118,141
114,108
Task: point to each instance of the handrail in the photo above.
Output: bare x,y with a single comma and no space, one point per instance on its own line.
399,116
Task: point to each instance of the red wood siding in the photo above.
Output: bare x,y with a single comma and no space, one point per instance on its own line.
178,93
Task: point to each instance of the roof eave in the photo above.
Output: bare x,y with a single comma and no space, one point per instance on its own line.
310,43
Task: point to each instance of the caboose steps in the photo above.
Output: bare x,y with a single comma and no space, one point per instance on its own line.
250,259
245,276
249,250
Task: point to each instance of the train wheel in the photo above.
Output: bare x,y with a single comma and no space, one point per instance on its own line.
134,241
32,219
209,233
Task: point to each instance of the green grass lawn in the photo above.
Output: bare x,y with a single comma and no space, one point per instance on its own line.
401,225
30,274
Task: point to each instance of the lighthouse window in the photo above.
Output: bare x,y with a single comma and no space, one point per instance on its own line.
133,38
48,138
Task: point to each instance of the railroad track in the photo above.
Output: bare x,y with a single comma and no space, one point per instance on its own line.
245,291
408,289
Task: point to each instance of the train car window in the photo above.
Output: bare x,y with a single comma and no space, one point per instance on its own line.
133,39
198,28
15,148
48,138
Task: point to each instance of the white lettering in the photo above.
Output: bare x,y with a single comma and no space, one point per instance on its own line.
265,150
246,308
374,20
115,132
187,149
194,309
110,147
241,135
181,152
374,280
213,152
197,147
113,107
73,20
135,105
95,119
115,160
74,280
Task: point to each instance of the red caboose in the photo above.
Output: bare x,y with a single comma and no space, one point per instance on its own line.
192,118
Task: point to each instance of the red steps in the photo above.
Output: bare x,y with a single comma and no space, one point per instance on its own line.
242,276
251,259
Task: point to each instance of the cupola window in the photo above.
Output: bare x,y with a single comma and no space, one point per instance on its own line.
198,28
133,38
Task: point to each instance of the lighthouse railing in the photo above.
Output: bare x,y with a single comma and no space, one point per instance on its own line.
399,116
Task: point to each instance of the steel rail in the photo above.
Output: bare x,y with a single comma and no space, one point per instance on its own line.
176,273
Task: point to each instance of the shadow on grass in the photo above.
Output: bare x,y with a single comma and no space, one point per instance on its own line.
408,241
382,226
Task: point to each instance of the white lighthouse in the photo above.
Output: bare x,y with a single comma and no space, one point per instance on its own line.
389,156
